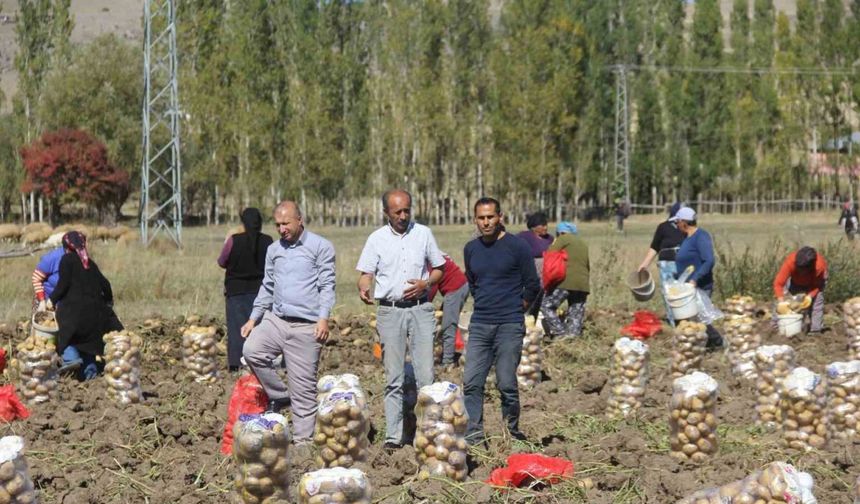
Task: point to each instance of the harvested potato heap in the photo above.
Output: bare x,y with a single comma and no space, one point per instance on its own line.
843,399
122,371
335,486
200,353
37,365
773,363
693,421
777,483
627,377
688,347
439,437
16,487
851,315
743,340
531,361
740,305
260,456
343,421
803,400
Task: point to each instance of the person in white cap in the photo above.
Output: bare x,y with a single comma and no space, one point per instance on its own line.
697,250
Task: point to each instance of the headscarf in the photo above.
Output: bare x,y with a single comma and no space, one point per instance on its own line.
76,242
253,222
566,227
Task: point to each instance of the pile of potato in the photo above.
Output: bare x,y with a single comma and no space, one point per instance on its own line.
122,368
200,353
693,420
851,316
740,305
439,438
803,401
529,372
16,487
688,347
773,363
335,486
260,458
743,341
628,377
343,421
37,364
777,483
843,399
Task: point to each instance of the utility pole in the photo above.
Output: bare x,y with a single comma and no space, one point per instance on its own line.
161,174
622,154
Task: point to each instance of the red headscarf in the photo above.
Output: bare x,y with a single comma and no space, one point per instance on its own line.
74,241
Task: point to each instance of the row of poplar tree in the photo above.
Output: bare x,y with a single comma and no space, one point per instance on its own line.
330,103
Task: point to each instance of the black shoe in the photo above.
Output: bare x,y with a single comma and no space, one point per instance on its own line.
276,405
391,447
519,436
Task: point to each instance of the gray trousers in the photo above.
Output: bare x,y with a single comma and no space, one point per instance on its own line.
272,337
399,327
451,308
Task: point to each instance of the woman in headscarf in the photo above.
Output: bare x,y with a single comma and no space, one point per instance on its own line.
244,259
664,245
84,301
574,288
539,241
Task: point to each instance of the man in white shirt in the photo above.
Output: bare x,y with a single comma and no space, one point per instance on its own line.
395,259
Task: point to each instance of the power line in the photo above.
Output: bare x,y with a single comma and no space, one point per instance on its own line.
739,70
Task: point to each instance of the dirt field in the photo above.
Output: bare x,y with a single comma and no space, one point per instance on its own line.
83,449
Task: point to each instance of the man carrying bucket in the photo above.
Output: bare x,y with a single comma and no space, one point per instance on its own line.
803,272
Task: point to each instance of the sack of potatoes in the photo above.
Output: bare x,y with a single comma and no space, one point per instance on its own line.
773,363
440,444
200,353
851,316
803,400
337,485
628,376
529,372
16,487
260,457
740,305
37,366
777,483
743,340
693,417
122,367
688,347
343,422
843,399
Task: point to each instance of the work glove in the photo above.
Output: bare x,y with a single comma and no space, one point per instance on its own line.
805,303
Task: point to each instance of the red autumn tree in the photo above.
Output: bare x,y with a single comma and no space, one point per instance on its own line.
71,166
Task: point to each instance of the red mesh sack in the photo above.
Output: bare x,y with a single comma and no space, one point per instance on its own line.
554,268
525,468
645,325
2,359
11,408
248,396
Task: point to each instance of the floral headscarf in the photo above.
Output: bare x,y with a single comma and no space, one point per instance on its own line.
76,242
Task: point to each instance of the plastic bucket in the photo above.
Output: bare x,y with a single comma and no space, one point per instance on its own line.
790,324
41,331
641,284
682,301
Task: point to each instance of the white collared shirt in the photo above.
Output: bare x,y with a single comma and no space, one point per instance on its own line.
395,258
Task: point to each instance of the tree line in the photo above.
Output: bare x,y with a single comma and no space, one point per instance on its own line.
330,103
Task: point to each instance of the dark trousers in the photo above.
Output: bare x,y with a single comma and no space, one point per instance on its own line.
502,345
239,307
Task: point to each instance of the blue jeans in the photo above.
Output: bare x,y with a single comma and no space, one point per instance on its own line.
668,269
501,344
89,368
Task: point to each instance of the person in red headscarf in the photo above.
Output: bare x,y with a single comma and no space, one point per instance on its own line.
84,301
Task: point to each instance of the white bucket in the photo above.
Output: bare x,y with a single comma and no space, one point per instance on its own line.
682,301
790,324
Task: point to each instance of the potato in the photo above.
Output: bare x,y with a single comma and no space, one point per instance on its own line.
36,364
773,363
851,310
803,410
260,453
693,402
843,396
123,350
529,372
627,377
777,482
343,422
688,347
439,444
743,341
200,353
335,485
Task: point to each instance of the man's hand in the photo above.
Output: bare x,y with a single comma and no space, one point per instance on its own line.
321,330
418,287
364,288
247,328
